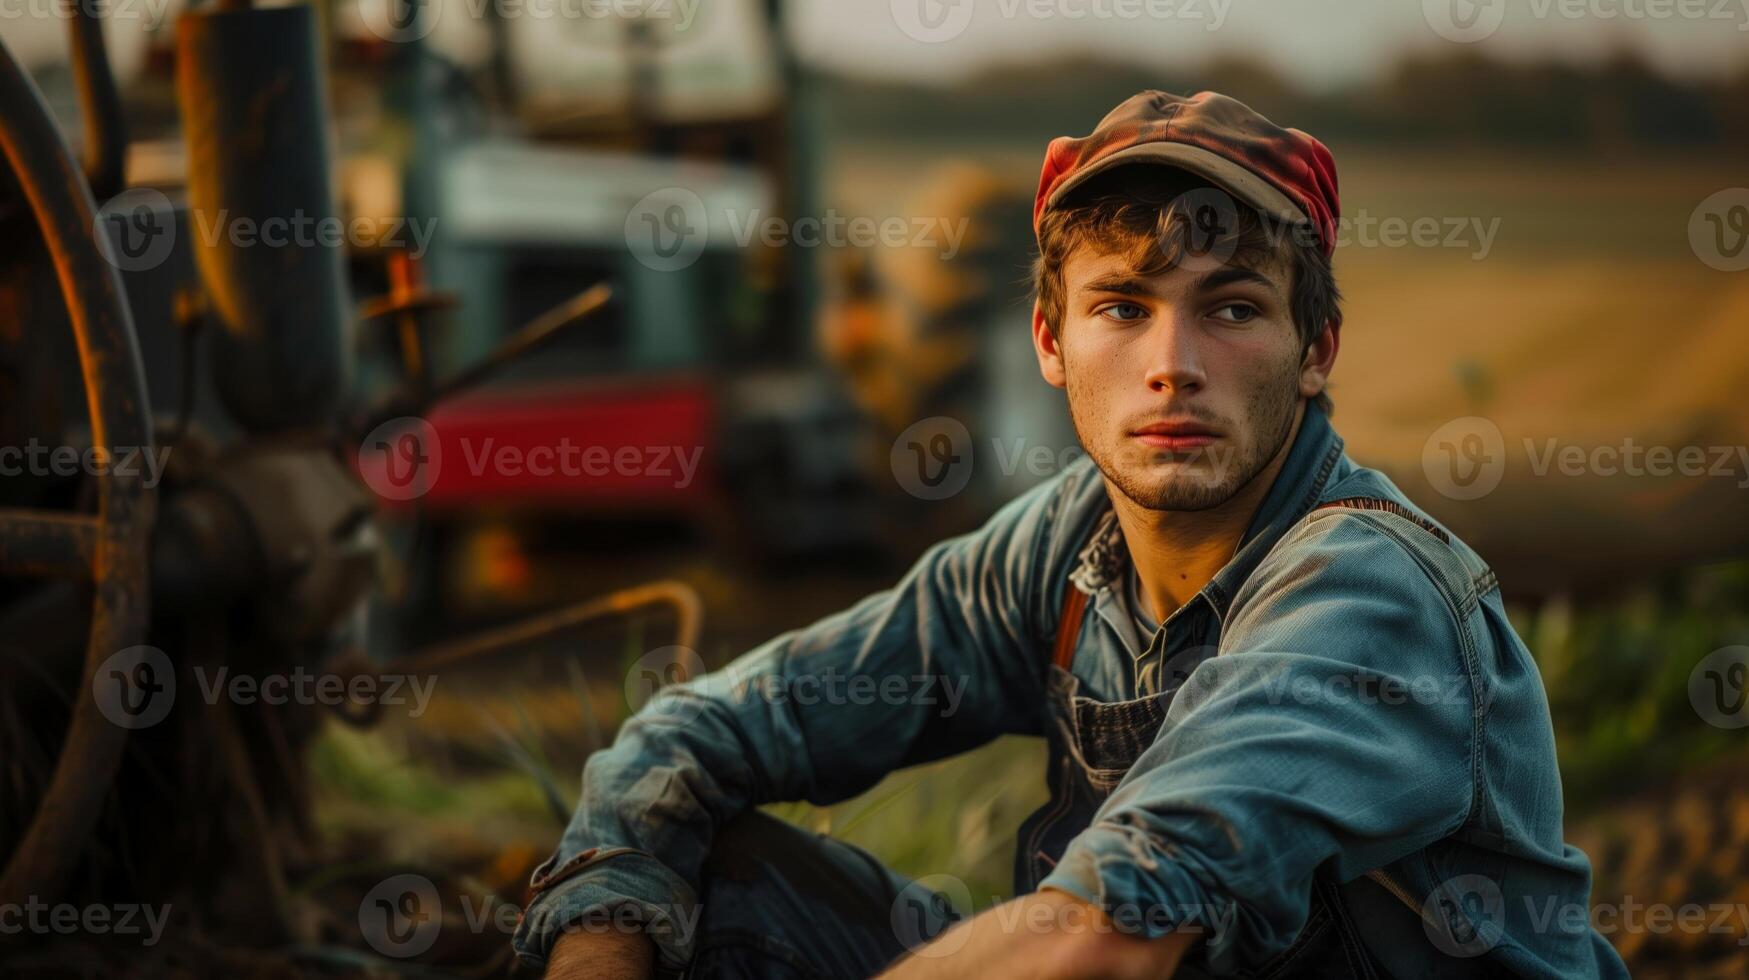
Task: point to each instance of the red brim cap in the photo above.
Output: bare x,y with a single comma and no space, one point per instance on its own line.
1284,173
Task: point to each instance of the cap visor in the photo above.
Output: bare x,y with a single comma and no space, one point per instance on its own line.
1211,166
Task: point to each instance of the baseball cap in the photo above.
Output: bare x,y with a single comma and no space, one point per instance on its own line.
1284,173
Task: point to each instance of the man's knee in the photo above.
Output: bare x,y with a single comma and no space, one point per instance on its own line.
759,856
780,900
754,842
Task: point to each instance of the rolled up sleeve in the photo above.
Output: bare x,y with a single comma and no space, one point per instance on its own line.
1335,724
961,629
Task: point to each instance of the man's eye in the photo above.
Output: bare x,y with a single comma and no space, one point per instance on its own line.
1124,311
1237,312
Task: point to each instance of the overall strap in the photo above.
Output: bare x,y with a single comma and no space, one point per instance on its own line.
1069,626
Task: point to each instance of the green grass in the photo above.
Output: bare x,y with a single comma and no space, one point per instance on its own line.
1618,672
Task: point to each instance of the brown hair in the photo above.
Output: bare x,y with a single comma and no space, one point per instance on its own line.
1147,214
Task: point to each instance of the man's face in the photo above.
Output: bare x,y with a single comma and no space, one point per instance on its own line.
1183,384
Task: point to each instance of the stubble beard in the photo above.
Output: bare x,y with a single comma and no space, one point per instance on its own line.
1205,480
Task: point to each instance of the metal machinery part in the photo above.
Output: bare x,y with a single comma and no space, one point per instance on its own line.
275,520
108,547
281,517
253,102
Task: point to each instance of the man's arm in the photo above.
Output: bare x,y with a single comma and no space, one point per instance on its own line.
943,662
1336,724
1048,935
606,955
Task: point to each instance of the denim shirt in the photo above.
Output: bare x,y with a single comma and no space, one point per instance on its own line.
1346,699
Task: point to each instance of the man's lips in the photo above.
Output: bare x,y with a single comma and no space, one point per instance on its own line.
1176,436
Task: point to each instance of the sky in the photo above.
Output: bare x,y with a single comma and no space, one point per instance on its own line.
1318,43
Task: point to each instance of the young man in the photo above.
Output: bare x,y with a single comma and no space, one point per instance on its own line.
1291,731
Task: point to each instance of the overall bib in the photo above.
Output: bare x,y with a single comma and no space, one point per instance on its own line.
1094,743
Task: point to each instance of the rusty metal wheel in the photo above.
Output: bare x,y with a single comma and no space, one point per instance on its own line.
107,547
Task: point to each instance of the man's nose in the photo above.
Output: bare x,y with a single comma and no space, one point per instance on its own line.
1174,359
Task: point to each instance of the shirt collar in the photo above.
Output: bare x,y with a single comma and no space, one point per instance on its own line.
1315,453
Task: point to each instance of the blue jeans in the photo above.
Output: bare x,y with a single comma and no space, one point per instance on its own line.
782,902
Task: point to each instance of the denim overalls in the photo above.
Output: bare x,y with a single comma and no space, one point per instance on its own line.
1094,743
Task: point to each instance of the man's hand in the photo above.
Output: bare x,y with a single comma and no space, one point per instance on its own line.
1048,935
612,954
